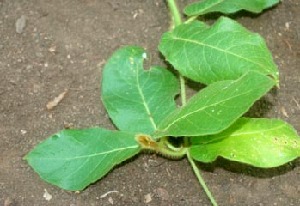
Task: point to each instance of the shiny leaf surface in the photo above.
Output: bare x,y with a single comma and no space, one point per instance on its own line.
224,51
258,142
216,107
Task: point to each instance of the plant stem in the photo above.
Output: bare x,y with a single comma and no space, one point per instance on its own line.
182,90
176,21
201,180
176,17
192,18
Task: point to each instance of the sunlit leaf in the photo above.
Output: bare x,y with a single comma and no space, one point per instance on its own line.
216,107
258,142
228,6
224,51
137,99
73,159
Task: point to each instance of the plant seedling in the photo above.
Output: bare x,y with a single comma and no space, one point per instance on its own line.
237,69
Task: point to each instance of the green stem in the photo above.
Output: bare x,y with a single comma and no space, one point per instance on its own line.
176,21
176,17
201,180
182,90
192,18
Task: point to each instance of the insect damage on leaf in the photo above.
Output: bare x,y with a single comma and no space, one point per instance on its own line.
131,94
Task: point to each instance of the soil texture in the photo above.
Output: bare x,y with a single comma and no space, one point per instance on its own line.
48,47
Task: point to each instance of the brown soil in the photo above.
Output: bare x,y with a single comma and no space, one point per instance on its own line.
64,46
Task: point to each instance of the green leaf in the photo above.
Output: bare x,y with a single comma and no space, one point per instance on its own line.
73,159
224,51
137,99
228,6
216,107
258,142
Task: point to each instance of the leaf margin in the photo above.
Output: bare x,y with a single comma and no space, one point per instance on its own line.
35,161
209,152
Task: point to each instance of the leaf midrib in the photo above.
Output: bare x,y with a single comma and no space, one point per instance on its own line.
205,107
257,131
144,100
218,49
95,154
211,6
241,134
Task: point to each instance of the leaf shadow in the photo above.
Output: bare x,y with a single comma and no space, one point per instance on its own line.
264,105
212,17
241,168
195,86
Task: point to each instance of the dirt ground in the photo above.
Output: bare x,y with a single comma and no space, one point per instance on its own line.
63,44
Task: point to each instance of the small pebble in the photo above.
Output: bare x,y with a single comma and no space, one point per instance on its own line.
147,198
47,195
110,200
162,194
20,24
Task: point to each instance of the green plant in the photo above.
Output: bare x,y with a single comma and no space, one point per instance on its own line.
237,69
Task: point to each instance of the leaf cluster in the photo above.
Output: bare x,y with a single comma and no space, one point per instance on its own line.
235,65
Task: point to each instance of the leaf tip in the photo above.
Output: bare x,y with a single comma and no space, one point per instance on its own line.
25,158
